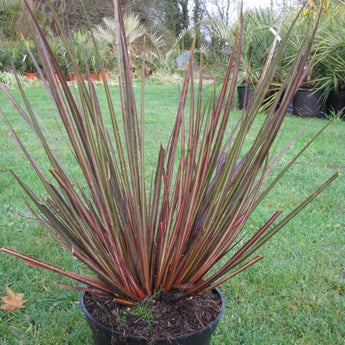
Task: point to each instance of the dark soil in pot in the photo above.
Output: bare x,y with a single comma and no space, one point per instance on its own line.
173,319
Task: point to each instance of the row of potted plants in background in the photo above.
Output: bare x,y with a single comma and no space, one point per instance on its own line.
20,55
307,102
73,77
322,93
141,44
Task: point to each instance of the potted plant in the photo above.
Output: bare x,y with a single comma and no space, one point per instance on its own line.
309,98
93,68
307,101
331,70
61,56
27,58
5,58
164,245
260,33
246,89
82,48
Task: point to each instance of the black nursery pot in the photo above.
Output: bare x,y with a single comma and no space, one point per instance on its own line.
245,95
103,335
307,103
336,103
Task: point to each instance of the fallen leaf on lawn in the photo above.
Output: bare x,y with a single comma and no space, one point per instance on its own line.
12,300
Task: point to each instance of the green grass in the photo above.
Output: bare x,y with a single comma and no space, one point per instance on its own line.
296,295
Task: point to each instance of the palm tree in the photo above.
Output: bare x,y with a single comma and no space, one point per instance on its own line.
134,31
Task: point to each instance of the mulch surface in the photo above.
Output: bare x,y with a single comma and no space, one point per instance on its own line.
157,317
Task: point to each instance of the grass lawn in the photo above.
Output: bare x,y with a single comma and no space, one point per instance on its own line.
296,295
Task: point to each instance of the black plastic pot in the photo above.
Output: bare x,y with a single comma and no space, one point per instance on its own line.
307,103
245,95
103,335
336,103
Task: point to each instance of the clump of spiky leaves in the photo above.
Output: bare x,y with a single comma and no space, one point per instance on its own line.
139,239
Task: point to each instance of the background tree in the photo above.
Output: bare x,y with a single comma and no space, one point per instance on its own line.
169,17
222,9
198,13
77,14
8,4
11,16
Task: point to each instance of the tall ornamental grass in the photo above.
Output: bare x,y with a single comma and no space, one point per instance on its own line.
185,228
